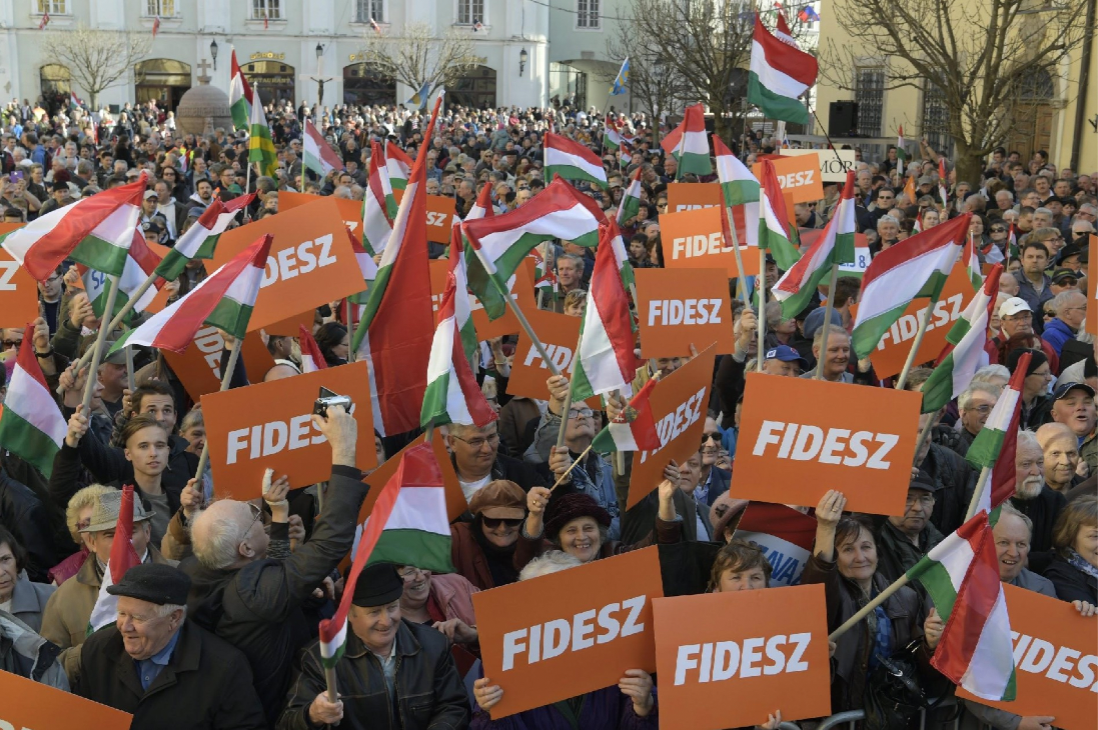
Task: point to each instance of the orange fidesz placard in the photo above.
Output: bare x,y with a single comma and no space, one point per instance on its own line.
28,704
310,263
767,649
693,239
559,333
522,287
678,405
800,437
198,367
18,289
269,425
579,630
798,177
1055,661
683,307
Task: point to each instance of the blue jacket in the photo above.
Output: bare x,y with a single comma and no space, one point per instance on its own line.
1034,299
1056,334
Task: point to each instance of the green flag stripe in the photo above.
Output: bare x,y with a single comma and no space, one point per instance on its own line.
21,438
423,549
773,105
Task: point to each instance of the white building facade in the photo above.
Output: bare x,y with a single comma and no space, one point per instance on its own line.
528,51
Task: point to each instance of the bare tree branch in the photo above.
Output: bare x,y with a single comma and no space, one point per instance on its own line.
96,59
417,56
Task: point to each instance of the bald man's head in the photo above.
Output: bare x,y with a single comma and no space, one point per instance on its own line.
229,534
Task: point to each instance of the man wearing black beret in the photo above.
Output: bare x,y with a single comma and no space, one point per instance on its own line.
394,674
161,668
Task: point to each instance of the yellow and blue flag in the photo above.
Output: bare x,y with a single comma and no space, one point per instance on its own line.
419,99
621,80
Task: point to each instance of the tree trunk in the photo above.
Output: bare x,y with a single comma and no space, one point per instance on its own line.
969,166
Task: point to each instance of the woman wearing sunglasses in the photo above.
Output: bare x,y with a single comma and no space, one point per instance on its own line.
483,550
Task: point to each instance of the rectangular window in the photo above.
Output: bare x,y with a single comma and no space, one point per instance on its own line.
266,10
367,10
53,7
470,12
161,8
936,120
587,14
869,93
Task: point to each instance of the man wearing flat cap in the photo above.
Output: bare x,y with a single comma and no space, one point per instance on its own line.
394,674
161,668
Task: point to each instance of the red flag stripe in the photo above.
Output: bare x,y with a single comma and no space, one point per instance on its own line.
945,234
795,64
609,294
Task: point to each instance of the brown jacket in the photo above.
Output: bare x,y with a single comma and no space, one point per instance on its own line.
65,620
468,557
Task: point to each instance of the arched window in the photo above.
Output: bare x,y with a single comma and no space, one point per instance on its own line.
162,80
274,79
477,89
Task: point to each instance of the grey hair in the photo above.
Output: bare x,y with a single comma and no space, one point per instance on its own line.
1062,300
570,257
1028,438
553,561
973,388
1010,509
169,608
774,314
222,539
987,372
1043,210
193,418
834,329
886,219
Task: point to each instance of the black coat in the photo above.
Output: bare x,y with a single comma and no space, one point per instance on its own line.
257,608
206,684
24,515
956,482
429,690
1043,510
1071,583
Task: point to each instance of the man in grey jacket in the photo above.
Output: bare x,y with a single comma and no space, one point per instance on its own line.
254,601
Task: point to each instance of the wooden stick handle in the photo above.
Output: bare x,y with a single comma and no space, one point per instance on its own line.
867,608
568,471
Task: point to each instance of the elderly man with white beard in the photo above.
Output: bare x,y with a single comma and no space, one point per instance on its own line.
1033,498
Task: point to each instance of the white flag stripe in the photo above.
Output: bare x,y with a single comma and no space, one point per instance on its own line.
420,508
881,295
556,157
776,81
622,433
567,224
245,287
27,399
954,553
1003,413
986,677
118,227
694,143
596,352
439,363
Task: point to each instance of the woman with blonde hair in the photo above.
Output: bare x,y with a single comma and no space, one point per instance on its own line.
77,517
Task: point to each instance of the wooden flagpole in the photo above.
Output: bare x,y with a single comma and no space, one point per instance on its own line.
918,341
97,349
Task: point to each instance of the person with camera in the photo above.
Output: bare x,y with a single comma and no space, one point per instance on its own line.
254,601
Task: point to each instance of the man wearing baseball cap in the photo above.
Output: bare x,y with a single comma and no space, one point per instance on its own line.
1073,405
1016,317
164,670
394,674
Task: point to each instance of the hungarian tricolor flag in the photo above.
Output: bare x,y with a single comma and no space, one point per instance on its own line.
901,153
997,443
943,186
775,232
972,264
379,207
366,265
834,246
240,96
495,303
738,184
779,75
398,164
225,300
611,135
312,359
141,263
31,426
912,269
200,240
503,241
395,332
964,352
621,256
783,533
634,429
605,360
1012,243
572,161
689,144
74,101
318,155
95,231
630,203
961,574
123,557
408,526
463,310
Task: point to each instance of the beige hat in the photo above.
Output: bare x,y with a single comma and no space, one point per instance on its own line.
104,514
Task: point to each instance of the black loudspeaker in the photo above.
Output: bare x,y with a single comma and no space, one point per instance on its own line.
842,119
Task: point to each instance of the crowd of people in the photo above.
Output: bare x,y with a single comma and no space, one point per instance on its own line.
217,627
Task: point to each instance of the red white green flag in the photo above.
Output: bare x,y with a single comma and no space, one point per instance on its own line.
692,148
605,360
141,263
95,231
395,331
912,269
964,352
398,164
494,302
312,359
996,445
379,207
634,429
961,574
775,232
779,75
572,160
972,264
31,425
408,525
629,206
122,558
225,299
943,186
200,240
